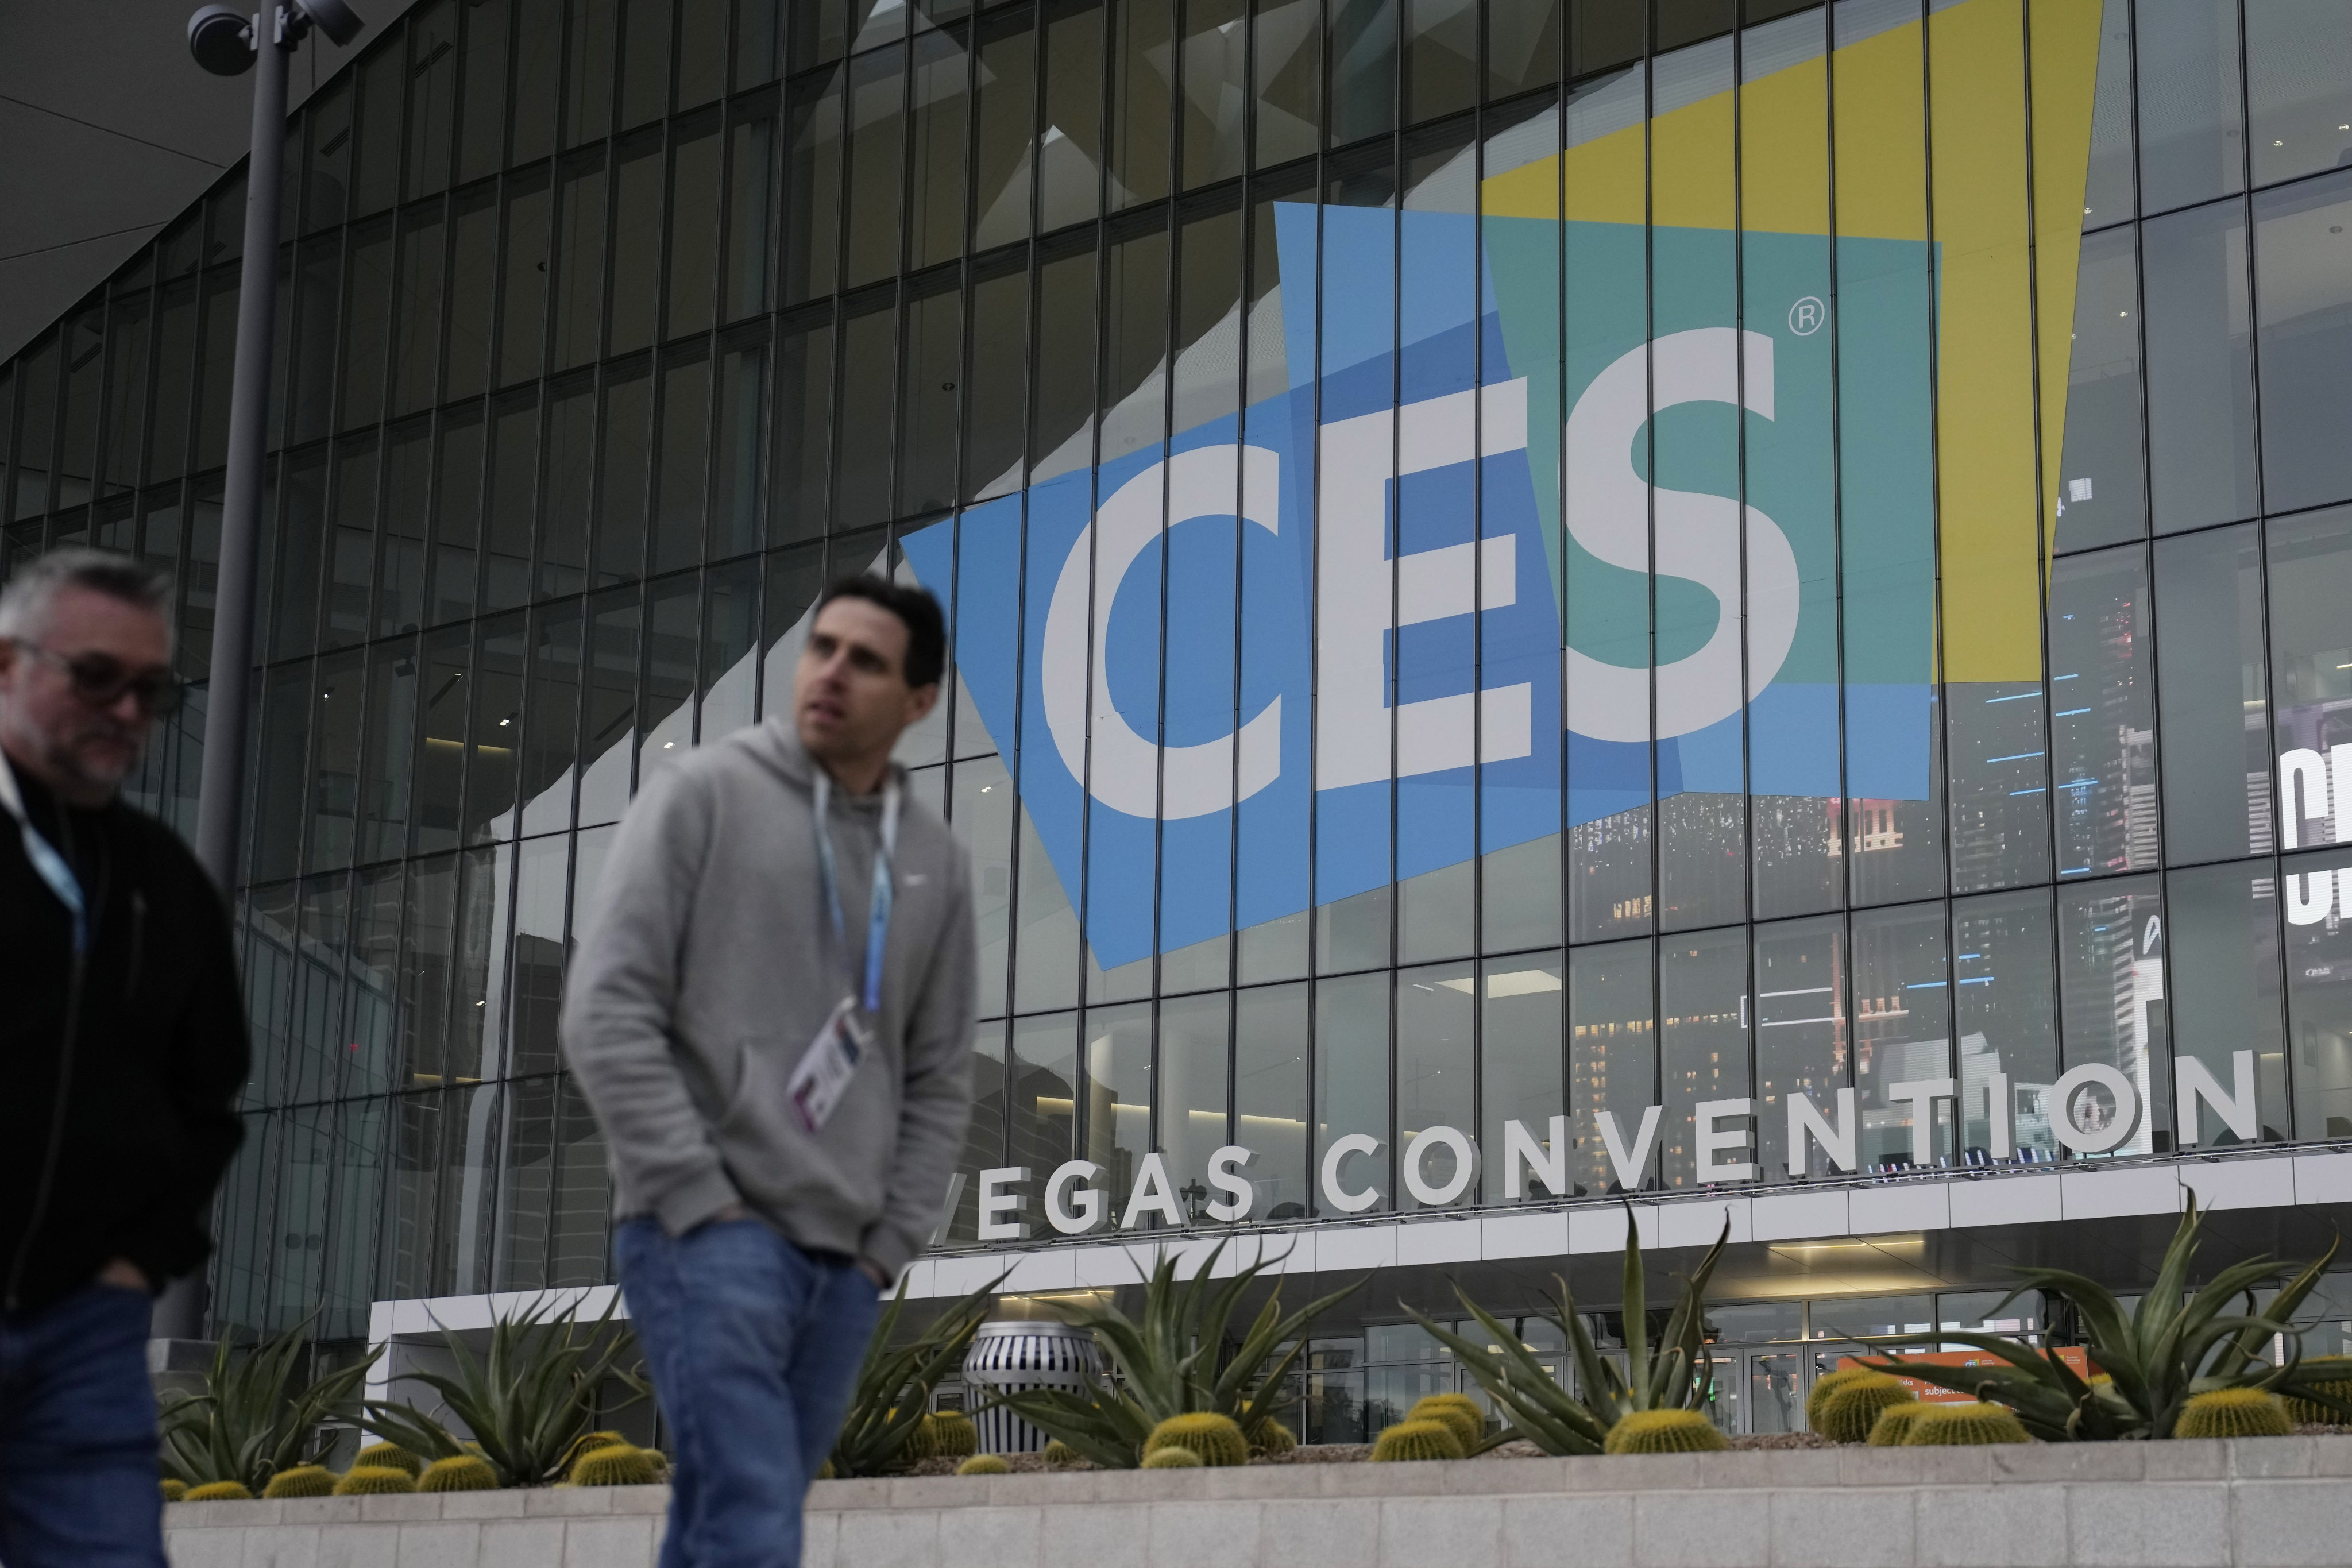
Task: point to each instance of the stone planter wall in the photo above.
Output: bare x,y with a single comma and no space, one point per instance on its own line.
2246,1504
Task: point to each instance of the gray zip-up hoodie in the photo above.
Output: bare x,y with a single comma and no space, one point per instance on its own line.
711,969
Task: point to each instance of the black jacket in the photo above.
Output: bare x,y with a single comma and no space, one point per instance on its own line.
111,1143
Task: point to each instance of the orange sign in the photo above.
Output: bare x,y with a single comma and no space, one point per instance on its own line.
1933,1393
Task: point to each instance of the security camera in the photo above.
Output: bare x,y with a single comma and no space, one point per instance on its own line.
221,40
337,20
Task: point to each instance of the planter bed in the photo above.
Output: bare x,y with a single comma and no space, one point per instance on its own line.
2249,1503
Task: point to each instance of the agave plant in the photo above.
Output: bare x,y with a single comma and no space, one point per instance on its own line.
526,1402
893,1386
1172,1361
2173,1345
1675,1374
253,1418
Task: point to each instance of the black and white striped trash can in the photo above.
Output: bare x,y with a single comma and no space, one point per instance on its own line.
1009,1357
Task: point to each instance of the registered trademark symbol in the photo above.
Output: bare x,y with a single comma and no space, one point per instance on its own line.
1806,316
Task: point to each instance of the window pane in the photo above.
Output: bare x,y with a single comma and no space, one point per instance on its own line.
2318,1008
636,246
2005,1003
2298,86
1119,1096
1612,1057
2190,149
933,400
580,261
1521,1061
2100,494
1363,45
2102,715
868,395
2222,928
1351,1084
2215,715
685,445
1270,1096
2200,413
1143,103
941,104
523,321
2303,258
1007,84
1903,1032
1069,152
1703,1002
1289,72
2311,665
1045,1097
1800,1030
2111,964
878,151
2107,191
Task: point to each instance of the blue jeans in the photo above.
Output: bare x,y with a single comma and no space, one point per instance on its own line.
78,1445
754,1347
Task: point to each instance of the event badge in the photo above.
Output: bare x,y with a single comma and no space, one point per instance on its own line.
830,1062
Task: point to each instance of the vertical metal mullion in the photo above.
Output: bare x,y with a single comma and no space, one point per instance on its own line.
1650,588
1844,992
1752,1007
1392,545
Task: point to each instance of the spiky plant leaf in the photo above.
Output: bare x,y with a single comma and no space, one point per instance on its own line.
527,1401
893,1392
254,1415
1169,1362
1676,1376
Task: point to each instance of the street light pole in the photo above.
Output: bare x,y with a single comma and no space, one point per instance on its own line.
229,45
219,804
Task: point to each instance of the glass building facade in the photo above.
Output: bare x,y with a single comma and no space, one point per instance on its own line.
1629,557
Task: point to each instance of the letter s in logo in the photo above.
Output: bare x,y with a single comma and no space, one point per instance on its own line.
1698,538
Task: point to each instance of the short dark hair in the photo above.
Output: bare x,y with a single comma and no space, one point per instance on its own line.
927,627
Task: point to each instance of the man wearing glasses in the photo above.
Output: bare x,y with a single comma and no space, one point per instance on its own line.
122,1037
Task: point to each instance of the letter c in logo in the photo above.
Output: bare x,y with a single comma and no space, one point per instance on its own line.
1127,768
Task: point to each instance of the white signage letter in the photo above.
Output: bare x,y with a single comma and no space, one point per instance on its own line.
1805,1120
1547,1161
1152,1194
2238,1110
2098,1140
1345,1202
2303,792
2001,1111
1923,1093
1089,1213
1714,1140
1225,1167
994,1201
1361,597
1465,1166
1630,1166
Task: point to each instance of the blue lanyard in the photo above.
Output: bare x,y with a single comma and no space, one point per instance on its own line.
877,919
51,866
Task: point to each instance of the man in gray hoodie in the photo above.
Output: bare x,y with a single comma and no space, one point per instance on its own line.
773,1018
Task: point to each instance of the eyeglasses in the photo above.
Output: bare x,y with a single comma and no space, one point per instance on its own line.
101,681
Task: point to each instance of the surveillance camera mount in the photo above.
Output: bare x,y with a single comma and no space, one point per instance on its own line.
222,40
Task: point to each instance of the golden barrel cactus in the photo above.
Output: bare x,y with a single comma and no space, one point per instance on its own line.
1171,1458
465,1473
1458,1411
2233,1413
1665,1432
219,1491
985,1464
376,1456
1216,1440
1893,1427
1411,1440
1963,1426
301,1480
615,1464
1851,1409
370,1480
